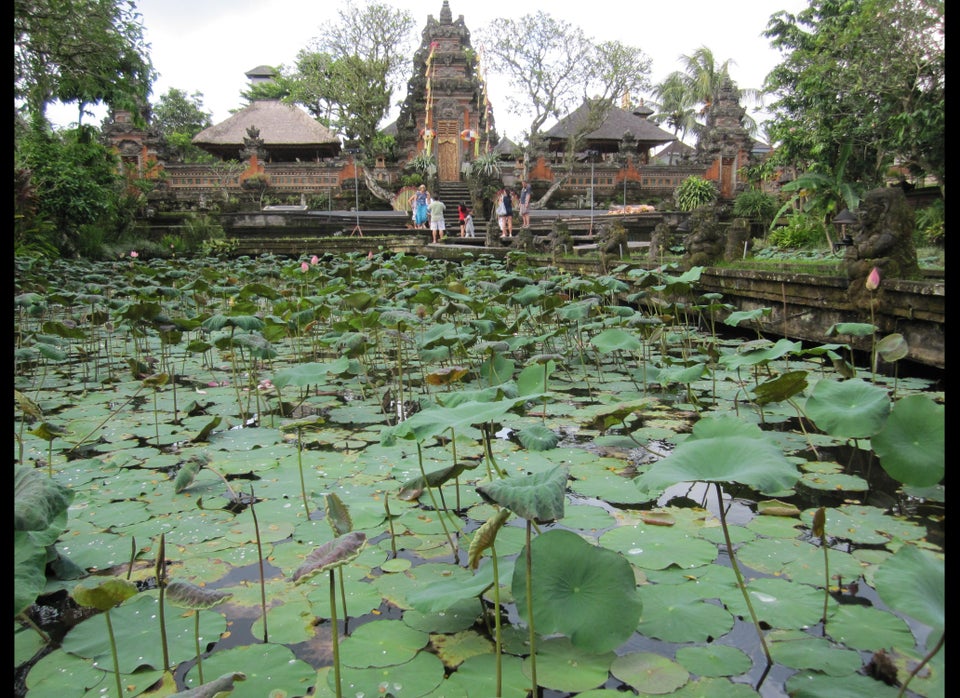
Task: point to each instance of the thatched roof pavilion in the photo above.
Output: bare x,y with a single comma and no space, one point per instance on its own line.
288,133
607,137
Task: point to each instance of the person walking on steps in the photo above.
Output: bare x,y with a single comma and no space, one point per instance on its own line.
525,194
437,226
419,203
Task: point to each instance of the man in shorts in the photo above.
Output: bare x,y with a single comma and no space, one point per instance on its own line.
437,226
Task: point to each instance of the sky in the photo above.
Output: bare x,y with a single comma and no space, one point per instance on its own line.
208,46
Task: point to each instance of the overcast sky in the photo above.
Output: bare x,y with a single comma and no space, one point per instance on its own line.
207,46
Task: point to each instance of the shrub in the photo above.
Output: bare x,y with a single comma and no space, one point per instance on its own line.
694,192
200,229
757,205
800,231
930,224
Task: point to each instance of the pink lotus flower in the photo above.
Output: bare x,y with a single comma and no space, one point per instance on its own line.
134,254
873,280
314,259
304,266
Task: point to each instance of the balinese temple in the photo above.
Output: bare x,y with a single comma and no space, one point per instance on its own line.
725,146
447,113
446,116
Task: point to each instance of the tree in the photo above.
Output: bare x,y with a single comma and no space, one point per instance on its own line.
310,85
867,72
675,104
178,118
83,51
552,67
353,67
278,88
78,185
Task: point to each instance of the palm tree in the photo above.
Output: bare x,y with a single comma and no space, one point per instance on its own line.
703,77
675,104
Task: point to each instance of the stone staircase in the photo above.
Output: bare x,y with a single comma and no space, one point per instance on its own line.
452,193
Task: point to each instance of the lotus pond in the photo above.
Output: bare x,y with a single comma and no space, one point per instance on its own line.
388,476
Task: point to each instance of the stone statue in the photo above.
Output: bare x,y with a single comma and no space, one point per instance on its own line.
704,243
883,238
664,237
739,240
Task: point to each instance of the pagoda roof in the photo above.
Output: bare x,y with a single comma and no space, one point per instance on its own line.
617,123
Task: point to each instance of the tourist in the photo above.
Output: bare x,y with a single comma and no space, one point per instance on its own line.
468,225
437,226
525,194
505,214
462,215
419,202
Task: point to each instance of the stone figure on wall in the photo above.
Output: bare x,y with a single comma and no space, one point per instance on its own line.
883,238
739,241
664,237
704,243
253,144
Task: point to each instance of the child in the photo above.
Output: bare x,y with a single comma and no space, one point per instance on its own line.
461,216
468,225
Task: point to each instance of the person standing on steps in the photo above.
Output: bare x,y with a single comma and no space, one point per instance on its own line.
525,194
419,203
462,215
505,213
437,226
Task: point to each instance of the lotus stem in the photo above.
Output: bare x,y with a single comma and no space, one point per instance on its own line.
496,619
196,642
113,651
922,663
393,533
433,499
160,572
303,486
263,589
740,583
533,635
334,639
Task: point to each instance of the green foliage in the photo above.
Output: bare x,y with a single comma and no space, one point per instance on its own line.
174,243
198,229
755,204
356,63
820,192
423,164
930,224
215,247
695,192
76,183
869,72
179,117
80,51
800,231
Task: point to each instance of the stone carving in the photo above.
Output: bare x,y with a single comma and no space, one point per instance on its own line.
883,238
664,237
738,240
704,243
253,144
